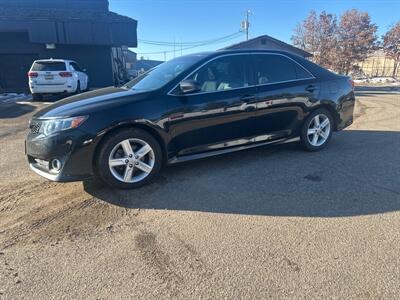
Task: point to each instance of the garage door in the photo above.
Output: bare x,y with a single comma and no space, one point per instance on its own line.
13,71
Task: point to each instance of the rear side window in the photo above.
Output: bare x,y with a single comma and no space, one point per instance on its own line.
277,68
76,66
49,66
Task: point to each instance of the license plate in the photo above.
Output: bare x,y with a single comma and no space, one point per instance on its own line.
48,77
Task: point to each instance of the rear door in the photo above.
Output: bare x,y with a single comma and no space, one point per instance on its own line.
50,72
284,90
83,78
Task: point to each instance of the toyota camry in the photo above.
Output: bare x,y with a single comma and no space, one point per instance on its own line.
188,108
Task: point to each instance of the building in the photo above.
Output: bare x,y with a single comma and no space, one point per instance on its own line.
266,42
377,64
81,30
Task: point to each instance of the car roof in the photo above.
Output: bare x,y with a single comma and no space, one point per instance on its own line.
54,60
315,69
239,51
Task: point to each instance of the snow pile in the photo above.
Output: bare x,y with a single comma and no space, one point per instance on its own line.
378,81
14,97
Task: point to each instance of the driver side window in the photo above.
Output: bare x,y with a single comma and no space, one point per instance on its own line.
221,74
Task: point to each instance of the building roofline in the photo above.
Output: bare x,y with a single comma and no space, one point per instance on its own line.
274,40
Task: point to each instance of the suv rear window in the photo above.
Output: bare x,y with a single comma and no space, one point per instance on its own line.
49,66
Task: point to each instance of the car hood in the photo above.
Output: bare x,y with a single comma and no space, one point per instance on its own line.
90,102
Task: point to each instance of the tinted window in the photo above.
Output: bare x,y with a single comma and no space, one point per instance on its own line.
163,73
277,68
223,73
76,66
49,66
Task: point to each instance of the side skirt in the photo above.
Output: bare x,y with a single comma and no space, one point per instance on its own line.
179,159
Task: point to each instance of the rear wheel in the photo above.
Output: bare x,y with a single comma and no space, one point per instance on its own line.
128,159
78,88
317,130
37,97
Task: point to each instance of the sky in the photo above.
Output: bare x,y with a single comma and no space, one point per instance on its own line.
183,21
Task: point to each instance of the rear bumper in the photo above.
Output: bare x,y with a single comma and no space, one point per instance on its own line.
52,89
346,111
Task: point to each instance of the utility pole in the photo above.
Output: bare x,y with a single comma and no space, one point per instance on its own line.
246,24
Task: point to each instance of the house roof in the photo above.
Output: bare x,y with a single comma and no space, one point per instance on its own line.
270,39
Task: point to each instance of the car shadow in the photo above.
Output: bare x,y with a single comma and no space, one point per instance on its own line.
358,174
14,109
54,98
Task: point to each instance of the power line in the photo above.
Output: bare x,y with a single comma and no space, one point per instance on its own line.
195,44
171,44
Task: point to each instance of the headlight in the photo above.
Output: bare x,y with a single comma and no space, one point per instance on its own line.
55,125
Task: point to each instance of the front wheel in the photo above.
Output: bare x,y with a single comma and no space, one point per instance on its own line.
317,130
128,159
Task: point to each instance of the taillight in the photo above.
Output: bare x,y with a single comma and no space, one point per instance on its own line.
352,84
65,74
33,74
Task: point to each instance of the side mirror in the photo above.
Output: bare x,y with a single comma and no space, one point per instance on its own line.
189,86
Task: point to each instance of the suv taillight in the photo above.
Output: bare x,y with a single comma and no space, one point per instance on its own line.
33,74
352,84
65,74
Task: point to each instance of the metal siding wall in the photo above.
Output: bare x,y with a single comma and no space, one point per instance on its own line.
124,34
75,32
43,32
98,5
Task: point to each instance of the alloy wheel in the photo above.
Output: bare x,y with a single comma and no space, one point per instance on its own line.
318,130
131,160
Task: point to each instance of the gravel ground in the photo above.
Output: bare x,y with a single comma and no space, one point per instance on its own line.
270,222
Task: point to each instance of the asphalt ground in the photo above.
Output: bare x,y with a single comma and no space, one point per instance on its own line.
271,222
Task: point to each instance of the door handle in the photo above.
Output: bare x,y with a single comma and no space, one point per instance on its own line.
311,88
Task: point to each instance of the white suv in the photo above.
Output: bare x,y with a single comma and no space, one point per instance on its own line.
53,76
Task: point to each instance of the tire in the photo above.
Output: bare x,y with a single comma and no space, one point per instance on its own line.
322,135
114,148
78,88
37,97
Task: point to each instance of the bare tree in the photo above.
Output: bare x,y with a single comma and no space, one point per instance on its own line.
317,35
337,46
356,39
391,45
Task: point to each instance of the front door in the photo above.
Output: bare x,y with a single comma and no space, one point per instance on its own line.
220,113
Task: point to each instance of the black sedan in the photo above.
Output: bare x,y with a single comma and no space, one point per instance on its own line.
191,107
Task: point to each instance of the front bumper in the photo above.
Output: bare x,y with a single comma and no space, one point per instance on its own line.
73,148
57,177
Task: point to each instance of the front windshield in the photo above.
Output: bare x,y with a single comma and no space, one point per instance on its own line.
163,73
